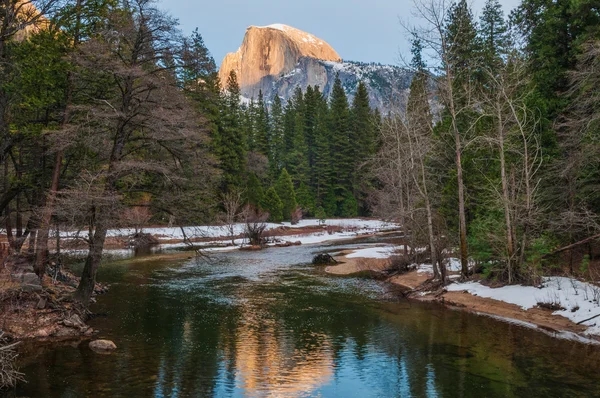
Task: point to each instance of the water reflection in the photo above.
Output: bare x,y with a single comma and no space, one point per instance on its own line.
264,325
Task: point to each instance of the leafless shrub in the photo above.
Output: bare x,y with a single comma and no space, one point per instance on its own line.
573,282
400,264
596,294
137,217
551,301
232,203
256,223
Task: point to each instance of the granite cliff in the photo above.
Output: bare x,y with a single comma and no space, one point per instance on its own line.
278,58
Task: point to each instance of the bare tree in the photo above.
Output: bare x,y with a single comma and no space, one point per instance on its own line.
256,224
138,125
455,91
232,204
514,137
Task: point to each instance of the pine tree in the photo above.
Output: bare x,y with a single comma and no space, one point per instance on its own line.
200,81
462,49
306,199
321,170
275,140
363,142
493,35
249,124
254,191
231,145
349,206
341,147
272,203
459,68
285,190
296,144
261,127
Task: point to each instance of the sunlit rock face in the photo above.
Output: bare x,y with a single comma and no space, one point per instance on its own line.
276,59
272,51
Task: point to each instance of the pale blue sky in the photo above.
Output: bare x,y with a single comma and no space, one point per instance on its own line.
359,30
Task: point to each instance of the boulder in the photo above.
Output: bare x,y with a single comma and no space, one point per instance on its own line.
41,304
102,346
74,321
31,288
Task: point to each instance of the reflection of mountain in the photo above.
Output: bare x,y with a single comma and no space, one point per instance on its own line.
269,363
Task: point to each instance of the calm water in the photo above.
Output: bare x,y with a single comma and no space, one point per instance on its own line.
266,324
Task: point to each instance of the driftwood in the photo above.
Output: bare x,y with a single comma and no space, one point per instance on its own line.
574,245
589,319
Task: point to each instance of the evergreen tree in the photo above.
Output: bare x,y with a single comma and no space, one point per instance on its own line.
363,142
231,145
321,169
285,190
276,142
349,206
462,49
272,203
261,127
200,81
342,149
493,35
254,191
306,199
249,124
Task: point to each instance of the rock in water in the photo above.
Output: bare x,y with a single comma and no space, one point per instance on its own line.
323,259
102,346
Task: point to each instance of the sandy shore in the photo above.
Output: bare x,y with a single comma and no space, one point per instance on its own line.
414,285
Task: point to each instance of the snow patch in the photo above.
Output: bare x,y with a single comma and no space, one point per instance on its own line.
373,252
580,300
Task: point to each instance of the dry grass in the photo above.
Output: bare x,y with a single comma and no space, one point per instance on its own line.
9,374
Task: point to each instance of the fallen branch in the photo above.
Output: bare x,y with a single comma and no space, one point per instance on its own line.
589,319
574,245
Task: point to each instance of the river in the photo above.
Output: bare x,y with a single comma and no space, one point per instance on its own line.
268,324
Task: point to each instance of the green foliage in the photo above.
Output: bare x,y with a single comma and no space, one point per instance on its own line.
285,190
231,141
584,267
349,206
320,214
330,204
306,199
254,191
272,203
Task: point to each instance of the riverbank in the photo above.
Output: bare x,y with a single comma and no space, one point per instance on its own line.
560,307
41,310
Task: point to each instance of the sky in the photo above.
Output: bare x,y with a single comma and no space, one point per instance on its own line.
359,30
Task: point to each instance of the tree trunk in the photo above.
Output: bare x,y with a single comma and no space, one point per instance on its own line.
41,250
510,249
41,255
464,255
92,262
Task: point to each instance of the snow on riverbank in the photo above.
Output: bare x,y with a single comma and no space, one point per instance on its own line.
373,252
215,238
580,300
215,231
